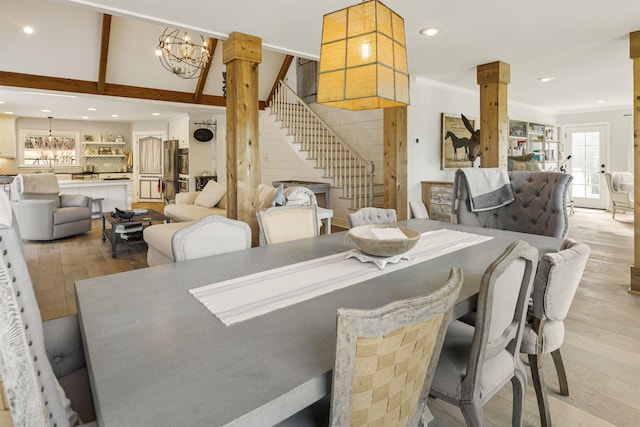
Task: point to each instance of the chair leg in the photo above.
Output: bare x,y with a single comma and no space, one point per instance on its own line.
519,386
562,374
541,391
473,414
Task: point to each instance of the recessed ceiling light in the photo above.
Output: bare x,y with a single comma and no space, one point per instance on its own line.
546,79
155,114
1,102
28,30
8,112
91,109
429,31
115,115
46,111
85,117
601,101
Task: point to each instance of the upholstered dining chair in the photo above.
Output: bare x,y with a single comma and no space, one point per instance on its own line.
385,360
208,236
620,185
539,206
419,210
554,287
41,363
285,223
476,362
370,215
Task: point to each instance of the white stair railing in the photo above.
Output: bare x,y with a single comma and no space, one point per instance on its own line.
339,161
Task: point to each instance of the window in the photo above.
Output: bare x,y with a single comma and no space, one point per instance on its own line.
37,150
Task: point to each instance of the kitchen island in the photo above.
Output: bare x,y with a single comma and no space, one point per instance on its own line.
115,193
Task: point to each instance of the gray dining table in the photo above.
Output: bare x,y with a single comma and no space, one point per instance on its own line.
156,356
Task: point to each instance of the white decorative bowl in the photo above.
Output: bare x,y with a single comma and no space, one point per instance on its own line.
367,242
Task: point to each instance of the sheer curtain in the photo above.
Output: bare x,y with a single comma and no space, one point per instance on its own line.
150,155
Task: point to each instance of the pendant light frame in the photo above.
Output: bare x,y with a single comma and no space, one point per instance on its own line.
363,58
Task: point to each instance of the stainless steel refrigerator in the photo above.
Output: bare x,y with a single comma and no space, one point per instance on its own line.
169,178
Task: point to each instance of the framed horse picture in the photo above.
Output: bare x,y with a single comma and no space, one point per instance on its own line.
455,141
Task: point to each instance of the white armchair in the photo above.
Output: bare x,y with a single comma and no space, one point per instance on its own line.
45,214
620,186
180,241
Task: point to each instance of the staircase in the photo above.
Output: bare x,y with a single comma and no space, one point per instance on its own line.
329,152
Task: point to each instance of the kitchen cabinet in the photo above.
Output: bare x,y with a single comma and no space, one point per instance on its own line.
179,129
115,193
7,136
148,188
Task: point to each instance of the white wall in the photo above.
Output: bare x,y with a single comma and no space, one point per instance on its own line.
429,99
362,130
620,134
202,155
281,158
150,126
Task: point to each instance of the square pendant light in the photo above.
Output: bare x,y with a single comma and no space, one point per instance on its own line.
363,58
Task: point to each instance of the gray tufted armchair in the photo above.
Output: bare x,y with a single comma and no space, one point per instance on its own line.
539,206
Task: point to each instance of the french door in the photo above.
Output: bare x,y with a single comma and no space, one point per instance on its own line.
587,145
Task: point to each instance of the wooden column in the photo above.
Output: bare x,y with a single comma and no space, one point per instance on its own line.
241,54
634,42
493,79
395,160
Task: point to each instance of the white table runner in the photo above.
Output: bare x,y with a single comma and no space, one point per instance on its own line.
249,296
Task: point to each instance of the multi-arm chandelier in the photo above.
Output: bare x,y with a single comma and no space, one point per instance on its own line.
180,55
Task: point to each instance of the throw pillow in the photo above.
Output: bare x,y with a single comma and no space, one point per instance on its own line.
278,199
265,196
522,163
211,194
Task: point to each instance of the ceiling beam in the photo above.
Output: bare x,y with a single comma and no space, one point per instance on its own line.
32,81
202,80
283,72
104,52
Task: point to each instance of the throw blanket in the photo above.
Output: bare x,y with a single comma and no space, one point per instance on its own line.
489,188
37,183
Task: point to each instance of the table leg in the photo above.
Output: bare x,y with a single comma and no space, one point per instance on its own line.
113,241
328,225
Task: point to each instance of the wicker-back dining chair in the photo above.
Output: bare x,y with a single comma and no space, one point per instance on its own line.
385,361
286,223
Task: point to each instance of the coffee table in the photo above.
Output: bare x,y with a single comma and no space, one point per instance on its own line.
126,232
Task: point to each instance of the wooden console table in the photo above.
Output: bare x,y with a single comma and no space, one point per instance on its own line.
437,196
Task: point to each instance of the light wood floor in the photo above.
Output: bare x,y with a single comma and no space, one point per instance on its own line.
601,348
